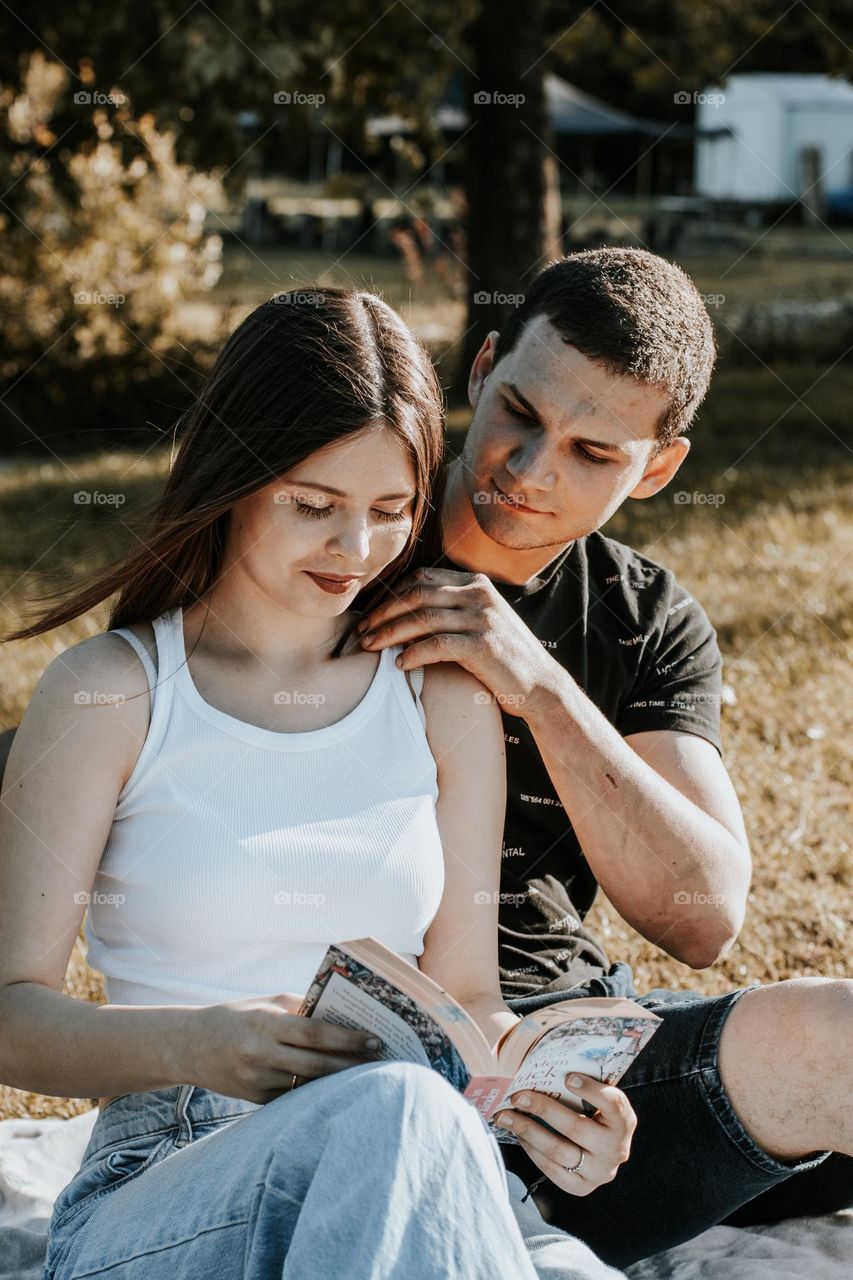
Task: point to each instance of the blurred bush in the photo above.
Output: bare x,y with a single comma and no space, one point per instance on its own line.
103,236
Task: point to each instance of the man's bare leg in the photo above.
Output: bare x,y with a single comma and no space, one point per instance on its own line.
786,1063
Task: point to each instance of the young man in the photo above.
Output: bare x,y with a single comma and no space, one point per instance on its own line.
608,677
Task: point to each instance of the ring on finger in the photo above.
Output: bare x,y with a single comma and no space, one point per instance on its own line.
575,1168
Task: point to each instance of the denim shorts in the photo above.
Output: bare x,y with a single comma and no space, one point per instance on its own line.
692,1162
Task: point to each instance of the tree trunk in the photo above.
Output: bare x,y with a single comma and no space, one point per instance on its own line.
512,219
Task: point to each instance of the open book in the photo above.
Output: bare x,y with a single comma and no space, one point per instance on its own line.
365,985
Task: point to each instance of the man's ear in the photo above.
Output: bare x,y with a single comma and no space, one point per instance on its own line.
661,468
481,368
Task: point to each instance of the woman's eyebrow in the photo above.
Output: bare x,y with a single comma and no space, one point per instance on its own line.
339,493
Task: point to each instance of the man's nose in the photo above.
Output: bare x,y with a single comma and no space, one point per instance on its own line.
533,466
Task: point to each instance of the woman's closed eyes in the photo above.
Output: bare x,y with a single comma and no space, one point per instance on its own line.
321,513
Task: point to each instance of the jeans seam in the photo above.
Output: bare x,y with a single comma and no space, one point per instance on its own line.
282,1195
171,1244
182,1120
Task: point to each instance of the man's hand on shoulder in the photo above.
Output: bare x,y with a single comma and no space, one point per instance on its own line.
448,615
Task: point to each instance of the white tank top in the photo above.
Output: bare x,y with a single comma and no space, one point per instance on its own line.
237,853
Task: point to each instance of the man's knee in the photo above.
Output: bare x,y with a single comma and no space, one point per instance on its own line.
796,1017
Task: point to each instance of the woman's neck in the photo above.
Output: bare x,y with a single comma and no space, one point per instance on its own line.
234,621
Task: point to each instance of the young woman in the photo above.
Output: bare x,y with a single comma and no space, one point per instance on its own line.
228,795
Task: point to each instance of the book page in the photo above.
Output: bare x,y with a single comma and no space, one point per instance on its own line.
424,994
348,1005
352,994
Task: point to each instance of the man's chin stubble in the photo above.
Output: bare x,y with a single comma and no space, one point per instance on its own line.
529,541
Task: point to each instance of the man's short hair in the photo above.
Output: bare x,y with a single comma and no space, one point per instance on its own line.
634,313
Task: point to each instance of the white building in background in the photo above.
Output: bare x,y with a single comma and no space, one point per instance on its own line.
768,136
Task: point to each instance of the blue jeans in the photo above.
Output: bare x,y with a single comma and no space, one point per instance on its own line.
692,1162
380,1171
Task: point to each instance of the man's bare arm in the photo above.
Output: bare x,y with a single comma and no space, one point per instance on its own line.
657,818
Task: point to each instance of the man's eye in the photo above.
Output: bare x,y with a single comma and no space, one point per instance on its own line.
517,413
590,457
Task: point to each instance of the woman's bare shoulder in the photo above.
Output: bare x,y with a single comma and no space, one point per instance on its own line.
106,657
95,693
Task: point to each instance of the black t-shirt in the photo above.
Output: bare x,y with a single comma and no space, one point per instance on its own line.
644,652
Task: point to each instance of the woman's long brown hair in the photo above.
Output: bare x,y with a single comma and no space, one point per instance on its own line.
302,371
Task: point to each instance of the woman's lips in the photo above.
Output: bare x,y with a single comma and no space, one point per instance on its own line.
334,586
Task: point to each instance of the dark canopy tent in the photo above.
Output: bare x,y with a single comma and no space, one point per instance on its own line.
572,111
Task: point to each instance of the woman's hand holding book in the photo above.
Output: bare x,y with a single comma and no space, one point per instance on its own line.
585,1151
254,1048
